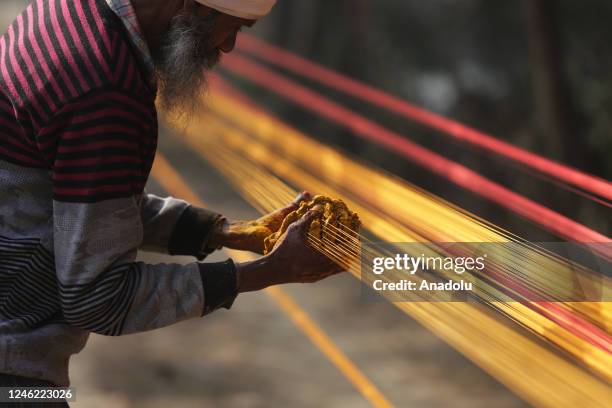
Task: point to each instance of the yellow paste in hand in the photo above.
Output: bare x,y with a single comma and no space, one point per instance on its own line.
332,213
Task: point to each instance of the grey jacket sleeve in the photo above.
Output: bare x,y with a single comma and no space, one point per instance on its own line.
172,226
103,290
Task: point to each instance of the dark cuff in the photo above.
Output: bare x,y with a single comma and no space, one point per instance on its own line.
220,285
192,232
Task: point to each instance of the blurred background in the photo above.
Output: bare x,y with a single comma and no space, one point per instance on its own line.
534,73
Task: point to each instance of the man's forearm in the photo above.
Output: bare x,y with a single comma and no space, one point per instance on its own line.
240,235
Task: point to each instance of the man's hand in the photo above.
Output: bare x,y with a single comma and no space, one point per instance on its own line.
250,235
292,260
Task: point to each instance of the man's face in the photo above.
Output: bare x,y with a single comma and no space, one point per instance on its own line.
191,47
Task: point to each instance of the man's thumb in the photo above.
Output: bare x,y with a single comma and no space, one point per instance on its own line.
294,205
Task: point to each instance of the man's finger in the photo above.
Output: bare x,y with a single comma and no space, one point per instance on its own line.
303,196
303,223
294,205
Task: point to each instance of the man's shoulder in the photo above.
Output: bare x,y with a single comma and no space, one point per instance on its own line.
57,51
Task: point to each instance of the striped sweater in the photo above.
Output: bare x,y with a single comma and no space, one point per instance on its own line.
78,135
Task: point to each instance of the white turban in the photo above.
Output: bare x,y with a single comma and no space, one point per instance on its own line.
247,9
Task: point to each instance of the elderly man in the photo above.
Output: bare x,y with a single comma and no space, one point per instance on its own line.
78,84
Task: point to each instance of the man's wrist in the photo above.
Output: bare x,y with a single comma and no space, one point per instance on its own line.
218,236
220,284
255,275
228,234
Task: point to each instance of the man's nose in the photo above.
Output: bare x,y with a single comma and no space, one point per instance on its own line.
229,44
